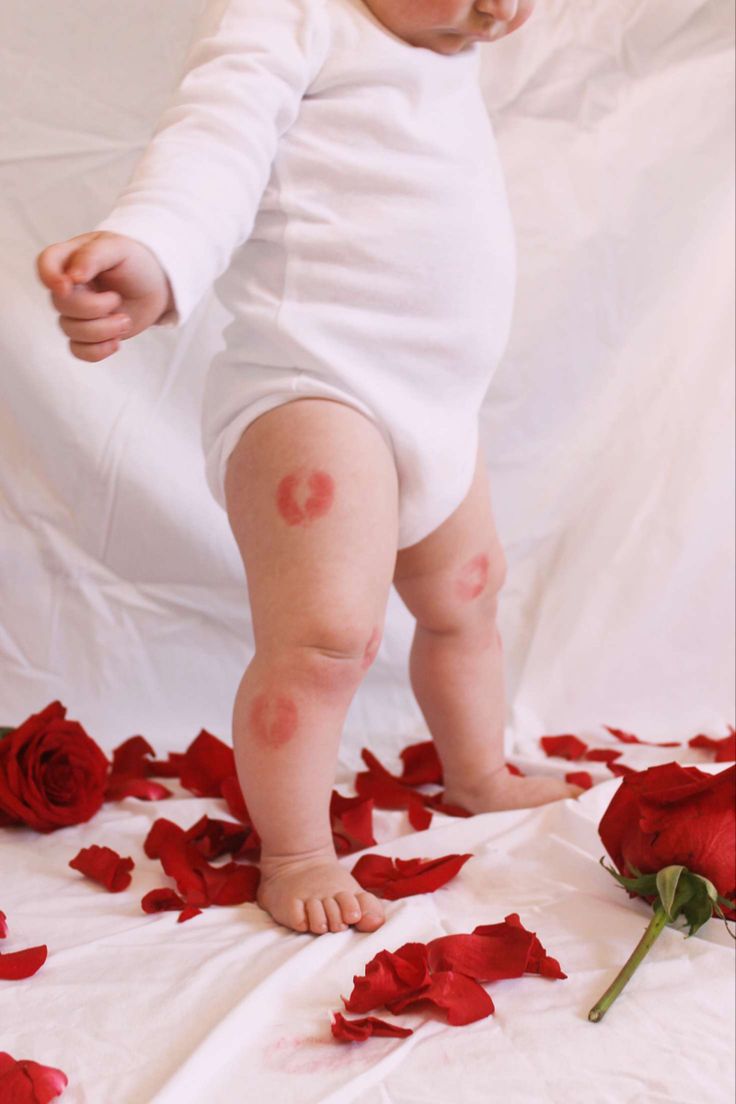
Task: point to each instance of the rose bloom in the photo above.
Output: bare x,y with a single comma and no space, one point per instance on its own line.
672,815
52,774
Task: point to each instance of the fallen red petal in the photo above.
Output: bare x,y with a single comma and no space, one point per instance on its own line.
355,1031
579,778
421,764
724,748
351,819
620,769
206,764
396,878
566,746
3,926
162,900
602,755
120,786
27,1082
389,975
16,965
490,953
187,914
630,738
105,866
462,998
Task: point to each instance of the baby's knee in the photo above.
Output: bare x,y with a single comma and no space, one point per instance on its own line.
330,654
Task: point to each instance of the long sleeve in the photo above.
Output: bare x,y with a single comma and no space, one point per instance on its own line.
195,193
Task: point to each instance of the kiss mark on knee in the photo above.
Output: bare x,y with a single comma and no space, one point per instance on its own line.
473,578
273,719
318,500
371,650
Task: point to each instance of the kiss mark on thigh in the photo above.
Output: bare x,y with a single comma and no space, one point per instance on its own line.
473,577
371,650
273,719
318,501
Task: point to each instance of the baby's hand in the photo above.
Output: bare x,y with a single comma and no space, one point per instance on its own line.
106,288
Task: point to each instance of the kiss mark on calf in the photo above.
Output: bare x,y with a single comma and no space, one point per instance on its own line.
473,577
371,649
321,492
273,719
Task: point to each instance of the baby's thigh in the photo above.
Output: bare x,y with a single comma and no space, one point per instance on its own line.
312,499
457,571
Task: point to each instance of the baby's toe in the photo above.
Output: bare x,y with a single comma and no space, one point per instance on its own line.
333,914
373,914
349,907
298,916
316,916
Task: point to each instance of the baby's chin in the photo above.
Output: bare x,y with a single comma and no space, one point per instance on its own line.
447,43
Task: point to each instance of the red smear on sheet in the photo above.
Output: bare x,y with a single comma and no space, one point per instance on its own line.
566,746
274,719
105,866
579,778
16,965
472,578
629,738
27,1082
395,878
317,504
356,1031
724,748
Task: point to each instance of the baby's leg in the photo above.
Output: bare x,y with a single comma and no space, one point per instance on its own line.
312,500
450,582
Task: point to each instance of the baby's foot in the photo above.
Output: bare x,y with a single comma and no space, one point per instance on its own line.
503,790
316,894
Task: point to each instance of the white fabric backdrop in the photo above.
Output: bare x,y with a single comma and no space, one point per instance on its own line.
609,437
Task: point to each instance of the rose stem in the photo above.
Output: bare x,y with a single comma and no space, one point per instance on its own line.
654,928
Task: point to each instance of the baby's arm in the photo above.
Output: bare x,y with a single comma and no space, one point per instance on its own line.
194,194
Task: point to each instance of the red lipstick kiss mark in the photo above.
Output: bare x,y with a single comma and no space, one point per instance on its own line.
318,502
371,649
472,578
273,719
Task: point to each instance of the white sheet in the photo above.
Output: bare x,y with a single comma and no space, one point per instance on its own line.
609,438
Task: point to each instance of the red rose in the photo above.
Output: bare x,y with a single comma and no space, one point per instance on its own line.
672,815
52,773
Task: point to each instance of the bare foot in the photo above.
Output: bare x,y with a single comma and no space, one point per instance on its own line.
503,790
316,894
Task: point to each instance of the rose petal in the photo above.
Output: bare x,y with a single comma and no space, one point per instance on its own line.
206,764
214,838
3,926
421,764
513,769
620,769
187,914
15,965
352,823
120,786
629,738
434,801
387,793
602,755
724,748
27,1082
490,953
579,778
396,878
161,900
166,768
462,998
388,975
539,962
566,746
132,757
103,865
355,1031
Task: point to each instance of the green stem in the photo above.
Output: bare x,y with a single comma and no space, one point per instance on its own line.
654,928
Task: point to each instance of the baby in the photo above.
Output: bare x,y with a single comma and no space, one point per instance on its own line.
330,167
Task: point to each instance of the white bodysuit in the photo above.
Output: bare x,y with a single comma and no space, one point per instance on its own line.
343,190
